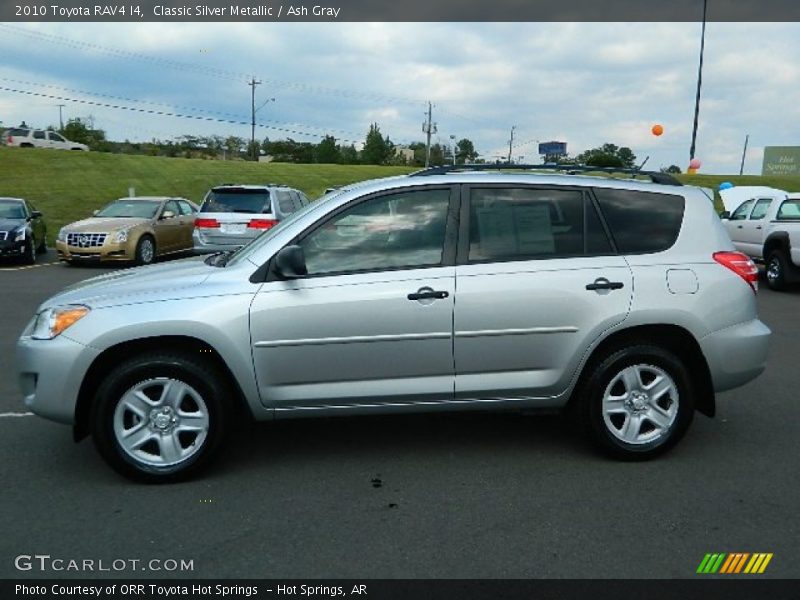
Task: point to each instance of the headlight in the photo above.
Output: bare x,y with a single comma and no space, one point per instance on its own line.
20,235
52,321
122,236
62,234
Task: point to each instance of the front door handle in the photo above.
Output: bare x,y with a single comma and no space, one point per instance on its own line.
428,294
601,283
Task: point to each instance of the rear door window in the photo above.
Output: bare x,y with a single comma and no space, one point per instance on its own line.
186,208
641,222
38,135
527,224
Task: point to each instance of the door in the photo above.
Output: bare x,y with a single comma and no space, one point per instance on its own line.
187,216
735,225
538,281
751,234
40,139
56,141
168,228
371,324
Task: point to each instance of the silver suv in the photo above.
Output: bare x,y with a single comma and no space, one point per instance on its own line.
621,300
234,215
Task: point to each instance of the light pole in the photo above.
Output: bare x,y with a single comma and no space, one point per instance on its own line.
253,133
699,83
453,142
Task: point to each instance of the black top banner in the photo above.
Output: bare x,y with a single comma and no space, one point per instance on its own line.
392,10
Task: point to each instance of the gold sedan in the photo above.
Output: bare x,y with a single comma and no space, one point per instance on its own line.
130,229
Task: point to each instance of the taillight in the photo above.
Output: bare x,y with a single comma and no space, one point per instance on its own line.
10,140
741,265
206,223
261,223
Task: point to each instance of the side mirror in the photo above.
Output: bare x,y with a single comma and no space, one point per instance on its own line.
167,214
725,214
290,262
36,214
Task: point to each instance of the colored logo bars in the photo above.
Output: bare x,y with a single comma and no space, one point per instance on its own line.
735,562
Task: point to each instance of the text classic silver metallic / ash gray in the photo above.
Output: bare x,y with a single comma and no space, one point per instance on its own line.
449,289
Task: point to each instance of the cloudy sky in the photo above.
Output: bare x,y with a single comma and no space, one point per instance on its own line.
583,83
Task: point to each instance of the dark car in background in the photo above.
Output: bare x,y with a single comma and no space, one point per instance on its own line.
22,230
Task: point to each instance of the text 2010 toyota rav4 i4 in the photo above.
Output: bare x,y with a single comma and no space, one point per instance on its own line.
443,290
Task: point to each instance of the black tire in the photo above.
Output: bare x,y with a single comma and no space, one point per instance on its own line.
776,270
143,257
42,248
605,378
29,257
109,412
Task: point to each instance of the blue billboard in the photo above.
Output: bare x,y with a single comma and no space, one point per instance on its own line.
548,148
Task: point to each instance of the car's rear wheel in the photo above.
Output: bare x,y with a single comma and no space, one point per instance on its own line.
776,271
145,250
638,402
160,417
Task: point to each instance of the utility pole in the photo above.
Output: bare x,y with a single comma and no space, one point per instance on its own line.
60,115
428,128
511,142
699,82
253,83
746,139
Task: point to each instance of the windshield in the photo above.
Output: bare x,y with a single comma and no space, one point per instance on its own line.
135,209
11,210
237,201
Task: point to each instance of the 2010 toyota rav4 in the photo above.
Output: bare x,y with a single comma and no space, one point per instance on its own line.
623,300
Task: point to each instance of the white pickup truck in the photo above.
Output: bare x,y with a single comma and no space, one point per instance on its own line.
764,223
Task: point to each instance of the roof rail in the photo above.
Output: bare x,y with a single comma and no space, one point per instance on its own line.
655,176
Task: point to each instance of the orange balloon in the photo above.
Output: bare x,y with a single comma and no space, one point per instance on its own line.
657,130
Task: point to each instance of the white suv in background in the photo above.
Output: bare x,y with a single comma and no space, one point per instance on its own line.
40,138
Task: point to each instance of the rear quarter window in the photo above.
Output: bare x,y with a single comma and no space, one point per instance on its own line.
641,222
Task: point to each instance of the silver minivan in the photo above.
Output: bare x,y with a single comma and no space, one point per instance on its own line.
234,215
620,300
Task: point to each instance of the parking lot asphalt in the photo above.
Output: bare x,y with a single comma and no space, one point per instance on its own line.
434,496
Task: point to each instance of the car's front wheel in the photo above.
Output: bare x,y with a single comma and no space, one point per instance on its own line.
29,253
160,417
145,250
638,402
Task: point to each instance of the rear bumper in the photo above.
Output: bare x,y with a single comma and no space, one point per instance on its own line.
206,244
737,354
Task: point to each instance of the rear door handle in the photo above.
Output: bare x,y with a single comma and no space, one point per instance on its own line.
601,283
428,294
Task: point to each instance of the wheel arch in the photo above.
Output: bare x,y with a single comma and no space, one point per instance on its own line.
778,240
106,360
674,338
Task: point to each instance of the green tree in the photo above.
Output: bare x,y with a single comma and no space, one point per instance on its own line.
672,169
326,151
608,155
348,155
79,131
377,149
465,151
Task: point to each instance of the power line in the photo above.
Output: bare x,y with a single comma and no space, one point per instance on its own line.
166,114
211,71
234,116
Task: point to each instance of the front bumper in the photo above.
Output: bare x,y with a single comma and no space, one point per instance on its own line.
50,374
736,354
12,248
110,251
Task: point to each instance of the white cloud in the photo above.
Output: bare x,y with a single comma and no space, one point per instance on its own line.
583,83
